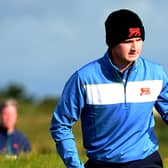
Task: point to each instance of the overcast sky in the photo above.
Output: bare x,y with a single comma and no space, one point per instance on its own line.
42,42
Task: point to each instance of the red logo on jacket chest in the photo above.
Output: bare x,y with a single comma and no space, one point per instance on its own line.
145,91
134,32
15,146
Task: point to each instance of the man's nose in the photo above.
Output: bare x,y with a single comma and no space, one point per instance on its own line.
134,46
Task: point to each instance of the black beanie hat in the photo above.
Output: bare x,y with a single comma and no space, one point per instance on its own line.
121,25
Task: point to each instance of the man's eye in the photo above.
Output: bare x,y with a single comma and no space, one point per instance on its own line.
139,39
127,41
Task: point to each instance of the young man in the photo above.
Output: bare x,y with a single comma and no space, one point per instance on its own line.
12,142
114,97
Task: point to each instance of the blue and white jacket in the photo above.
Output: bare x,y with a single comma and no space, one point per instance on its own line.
115,111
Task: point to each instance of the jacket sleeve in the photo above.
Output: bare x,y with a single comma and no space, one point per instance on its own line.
66,114
27,146
161,104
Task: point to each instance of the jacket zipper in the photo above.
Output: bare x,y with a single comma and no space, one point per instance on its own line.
124,83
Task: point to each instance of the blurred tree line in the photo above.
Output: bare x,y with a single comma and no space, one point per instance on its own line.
19,93
15,91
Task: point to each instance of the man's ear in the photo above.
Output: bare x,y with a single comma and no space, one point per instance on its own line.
0,120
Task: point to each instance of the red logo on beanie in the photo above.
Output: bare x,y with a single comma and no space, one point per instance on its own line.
134,32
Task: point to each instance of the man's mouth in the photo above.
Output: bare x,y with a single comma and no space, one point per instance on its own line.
132,53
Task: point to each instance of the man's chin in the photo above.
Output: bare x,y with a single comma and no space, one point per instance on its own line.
132,58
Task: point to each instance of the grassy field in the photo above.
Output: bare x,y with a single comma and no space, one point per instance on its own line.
34,121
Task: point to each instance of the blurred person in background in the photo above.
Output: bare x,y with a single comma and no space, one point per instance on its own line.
12,142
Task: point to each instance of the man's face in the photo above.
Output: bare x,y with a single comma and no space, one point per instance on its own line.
128,50
9,117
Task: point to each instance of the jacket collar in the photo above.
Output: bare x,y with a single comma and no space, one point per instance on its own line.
4,130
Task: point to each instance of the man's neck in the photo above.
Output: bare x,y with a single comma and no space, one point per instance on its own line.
122,65
123,68
10,130
7,130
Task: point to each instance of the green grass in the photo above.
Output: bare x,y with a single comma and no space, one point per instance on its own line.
34,121
37,161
